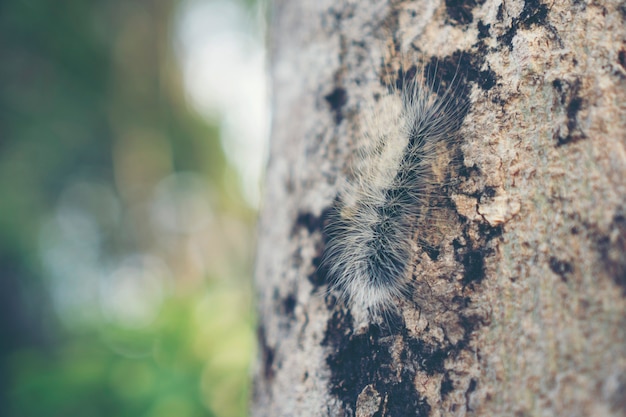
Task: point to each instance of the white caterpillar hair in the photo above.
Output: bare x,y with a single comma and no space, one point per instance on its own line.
369,234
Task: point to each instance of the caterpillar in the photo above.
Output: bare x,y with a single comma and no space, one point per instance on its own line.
369,232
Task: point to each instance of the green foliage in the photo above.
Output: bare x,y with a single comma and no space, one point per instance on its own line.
182,365
93,126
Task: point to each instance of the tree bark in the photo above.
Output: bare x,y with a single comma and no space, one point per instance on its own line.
519,304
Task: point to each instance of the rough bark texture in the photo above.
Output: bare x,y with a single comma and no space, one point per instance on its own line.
520,301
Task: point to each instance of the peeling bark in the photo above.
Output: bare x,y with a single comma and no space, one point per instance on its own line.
519,305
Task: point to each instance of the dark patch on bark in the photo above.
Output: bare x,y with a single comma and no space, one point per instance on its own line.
451,76
569,96
483,30
489,192
447,386
308,221
289,306
429,357
612,248
534,13
474,263
490,232
267,355
453,73
462,302
338,327
312,224
284,308
403,400
472,249
363,359
468,65
472,252
573,108
358,360
432,252
558,86
500,13
471,388
470,323
560,267
444,76
337,99
460,11
621,58
466,172
320,275
488,78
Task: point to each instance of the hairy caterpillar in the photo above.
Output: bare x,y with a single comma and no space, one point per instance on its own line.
369,234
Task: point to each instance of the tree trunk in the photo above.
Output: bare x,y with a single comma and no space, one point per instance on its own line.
519,302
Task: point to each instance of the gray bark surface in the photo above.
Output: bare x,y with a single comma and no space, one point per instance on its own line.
519,306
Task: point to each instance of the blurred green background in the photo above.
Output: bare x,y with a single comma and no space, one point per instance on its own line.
131,136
